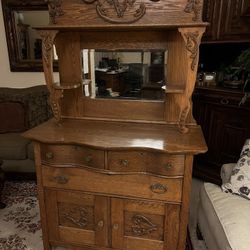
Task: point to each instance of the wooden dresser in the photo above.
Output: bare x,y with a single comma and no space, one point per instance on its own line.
116,174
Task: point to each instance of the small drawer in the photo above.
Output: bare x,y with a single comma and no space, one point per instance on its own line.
143,161
134,185
71,155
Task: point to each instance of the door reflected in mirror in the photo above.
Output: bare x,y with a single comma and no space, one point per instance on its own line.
123,74
28,40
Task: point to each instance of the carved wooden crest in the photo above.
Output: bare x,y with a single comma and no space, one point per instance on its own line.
195,7
119,11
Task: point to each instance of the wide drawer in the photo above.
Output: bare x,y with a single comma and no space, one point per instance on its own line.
143,161
132,185
71,155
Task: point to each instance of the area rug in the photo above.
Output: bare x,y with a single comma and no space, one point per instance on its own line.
20,227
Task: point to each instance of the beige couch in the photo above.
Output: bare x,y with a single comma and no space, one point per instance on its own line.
224,218
20,110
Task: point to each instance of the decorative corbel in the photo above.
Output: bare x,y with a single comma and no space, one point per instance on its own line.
192,39
48,37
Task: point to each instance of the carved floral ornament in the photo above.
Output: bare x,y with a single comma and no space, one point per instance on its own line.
120,11
195,7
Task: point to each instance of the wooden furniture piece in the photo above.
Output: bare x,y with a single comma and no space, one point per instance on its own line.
116,174
229,20
225,125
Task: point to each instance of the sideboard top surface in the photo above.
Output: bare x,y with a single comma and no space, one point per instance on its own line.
120,135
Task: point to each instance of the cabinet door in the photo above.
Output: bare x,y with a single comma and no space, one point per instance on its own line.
212,14
77,218
225,125
235,22
143,225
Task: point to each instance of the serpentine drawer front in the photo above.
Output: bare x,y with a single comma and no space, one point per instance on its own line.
143,161
72,155
134,185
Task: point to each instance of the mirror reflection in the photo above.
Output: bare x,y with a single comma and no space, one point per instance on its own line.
124,74
28,41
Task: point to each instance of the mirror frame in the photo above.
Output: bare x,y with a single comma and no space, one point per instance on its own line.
9,7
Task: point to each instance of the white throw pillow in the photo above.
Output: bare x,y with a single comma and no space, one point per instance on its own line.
240,178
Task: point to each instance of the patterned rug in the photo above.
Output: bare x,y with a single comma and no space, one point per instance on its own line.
20,227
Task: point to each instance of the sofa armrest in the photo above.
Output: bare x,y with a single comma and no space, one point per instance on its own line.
226,171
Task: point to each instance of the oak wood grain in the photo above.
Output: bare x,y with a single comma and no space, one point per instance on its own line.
118,135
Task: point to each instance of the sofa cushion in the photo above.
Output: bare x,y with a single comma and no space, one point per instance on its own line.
12,117
240,178
31,151
13,146
229,217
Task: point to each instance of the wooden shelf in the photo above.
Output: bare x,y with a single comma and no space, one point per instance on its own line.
171,89
57,85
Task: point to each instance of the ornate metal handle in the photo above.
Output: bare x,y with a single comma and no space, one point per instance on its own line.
115,226
49,155
158,188
88,159
224,101
124,163
61,179
169,166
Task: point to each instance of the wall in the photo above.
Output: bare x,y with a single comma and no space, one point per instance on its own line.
14,79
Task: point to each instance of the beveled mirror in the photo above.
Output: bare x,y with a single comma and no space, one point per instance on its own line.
24,43
125,74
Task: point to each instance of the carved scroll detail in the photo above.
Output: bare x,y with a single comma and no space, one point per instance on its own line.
55,9
114,11
78,216
192,45
142,225
48,37
195,7
47,45
192,39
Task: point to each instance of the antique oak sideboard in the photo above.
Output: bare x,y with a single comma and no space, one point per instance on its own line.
116,173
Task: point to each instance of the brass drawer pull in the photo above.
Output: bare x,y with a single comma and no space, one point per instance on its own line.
61,179
115,226
100,224
49,155
224,101
158,188
88,159
169,166
124,163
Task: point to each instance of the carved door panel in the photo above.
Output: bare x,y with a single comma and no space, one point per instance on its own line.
77,218
235,22
143,225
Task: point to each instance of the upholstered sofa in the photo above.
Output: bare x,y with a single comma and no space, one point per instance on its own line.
20,110
224,218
